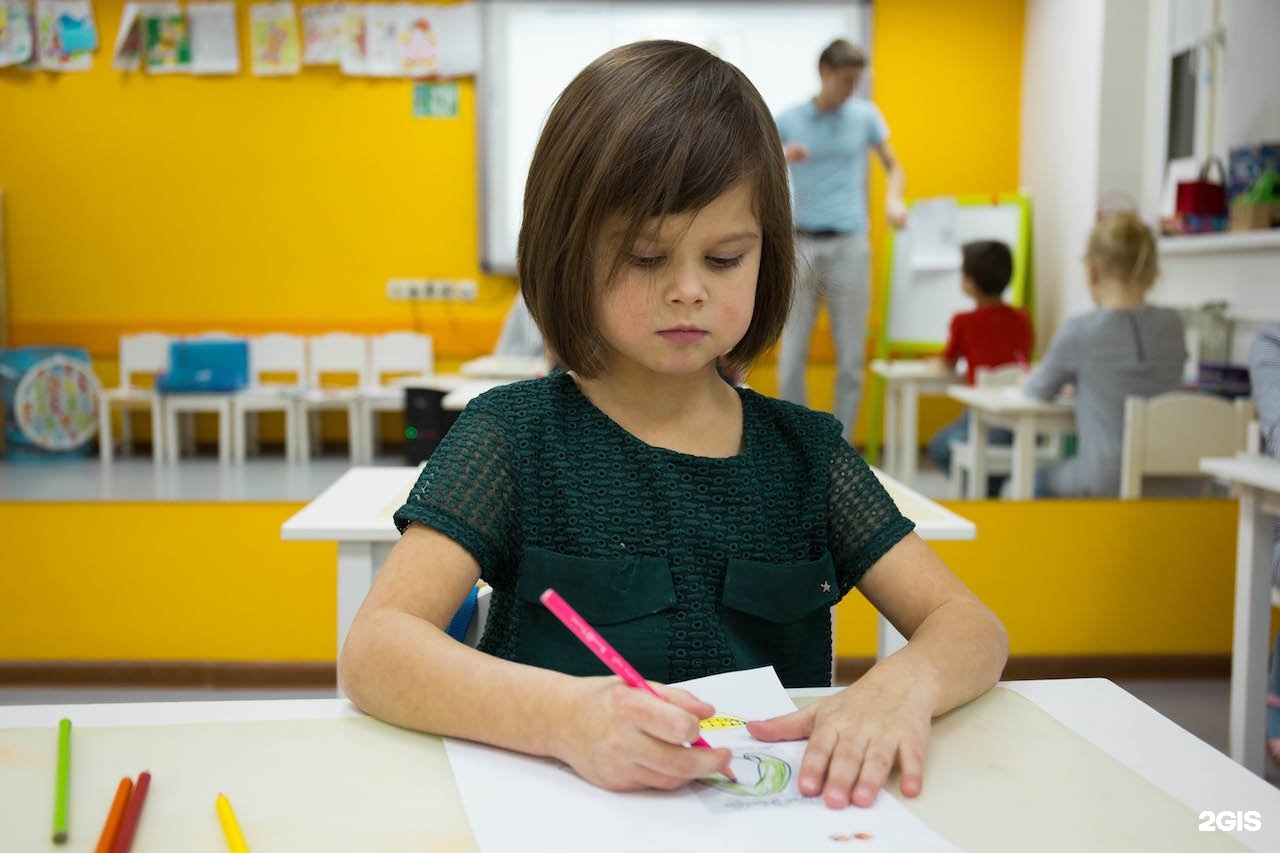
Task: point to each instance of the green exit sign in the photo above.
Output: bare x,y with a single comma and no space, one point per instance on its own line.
435,100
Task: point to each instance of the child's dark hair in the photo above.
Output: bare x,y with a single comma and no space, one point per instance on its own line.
989,263
841,54
648,130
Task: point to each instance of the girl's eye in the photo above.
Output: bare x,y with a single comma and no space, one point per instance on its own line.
646,260
725,263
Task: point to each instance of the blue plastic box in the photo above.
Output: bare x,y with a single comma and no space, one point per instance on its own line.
196,366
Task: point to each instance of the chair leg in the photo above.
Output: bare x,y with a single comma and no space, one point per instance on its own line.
172,445
313,424
189,424
251,427
158,444
302,444
126,432
224,432
355,435
956,483
237,434
104,431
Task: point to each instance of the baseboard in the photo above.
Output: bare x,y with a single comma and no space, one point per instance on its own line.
229,674
321,674
1113,667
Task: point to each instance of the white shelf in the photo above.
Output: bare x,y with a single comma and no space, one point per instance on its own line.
1231,241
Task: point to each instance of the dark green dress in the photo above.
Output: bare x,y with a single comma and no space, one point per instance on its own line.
688,565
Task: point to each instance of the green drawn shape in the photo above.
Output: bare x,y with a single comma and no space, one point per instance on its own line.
774,774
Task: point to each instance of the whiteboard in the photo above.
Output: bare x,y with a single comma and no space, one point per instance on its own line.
533,50
922,298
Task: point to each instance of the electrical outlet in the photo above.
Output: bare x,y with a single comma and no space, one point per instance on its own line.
465,291
405,289
444,289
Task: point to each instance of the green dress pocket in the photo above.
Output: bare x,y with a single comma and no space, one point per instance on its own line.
779,615
627,600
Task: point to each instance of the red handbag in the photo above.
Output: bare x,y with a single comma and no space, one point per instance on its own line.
1202,197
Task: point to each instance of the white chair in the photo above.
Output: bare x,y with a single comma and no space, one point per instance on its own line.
273,355
327,356
393,358
1167,435
188,404
999,459
142,353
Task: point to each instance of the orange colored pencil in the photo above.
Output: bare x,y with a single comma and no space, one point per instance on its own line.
132,813
112,825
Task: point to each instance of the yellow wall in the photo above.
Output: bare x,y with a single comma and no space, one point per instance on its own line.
169,582
252,204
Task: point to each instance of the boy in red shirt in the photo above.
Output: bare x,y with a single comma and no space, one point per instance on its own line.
993,334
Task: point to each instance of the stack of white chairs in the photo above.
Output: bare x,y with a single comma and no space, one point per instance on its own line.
179,438
271,356
328,356
394,358
145,353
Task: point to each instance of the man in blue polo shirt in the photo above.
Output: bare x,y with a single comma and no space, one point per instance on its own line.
826,141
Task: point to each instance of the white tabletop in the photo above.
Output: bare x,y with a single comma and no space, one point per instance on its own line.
1261,472
917,368
1007,401
506,367
1152,746
457,399
360,503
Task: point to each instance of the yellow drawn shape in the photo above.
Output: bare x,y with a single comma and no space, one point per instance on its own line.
722,723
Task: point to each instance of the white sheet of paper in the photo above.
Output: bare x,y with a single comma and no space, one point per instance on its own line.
931,229
215,48
518,803
322,27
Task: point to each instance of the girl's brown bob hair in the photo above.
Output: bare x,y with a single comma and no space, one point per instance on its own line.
648,130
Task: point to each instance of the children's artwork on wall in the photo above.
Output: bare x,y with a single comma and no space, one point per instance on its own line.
322,33
65,34
166,39
458,29
127,55
275,44
355,40
384,51
419,38
16,44
215,48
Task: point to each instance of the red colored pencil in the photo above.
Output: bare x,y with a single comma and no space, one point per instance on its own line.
112,826
132,811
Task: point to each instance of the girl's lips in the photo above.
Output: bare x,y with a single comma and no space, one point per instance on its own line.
683,336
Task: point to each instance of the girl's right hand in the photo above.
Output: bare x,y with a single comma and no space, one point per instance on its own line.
623,739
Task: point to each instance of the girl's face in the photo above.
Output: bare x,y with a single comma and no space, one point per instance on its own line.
684,294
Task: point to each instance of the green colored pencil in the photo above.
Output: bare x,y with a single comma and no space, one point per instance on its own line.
62,791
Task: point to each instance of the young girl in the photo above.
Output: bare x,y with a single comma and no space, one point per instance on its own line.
700,527
1124,347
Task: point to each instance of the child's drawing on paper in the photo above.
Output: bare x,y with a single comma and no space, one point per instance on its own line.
275,39
765,771
419,47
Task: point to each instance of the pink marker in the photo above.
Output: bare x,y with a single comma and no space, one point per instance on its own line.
600,647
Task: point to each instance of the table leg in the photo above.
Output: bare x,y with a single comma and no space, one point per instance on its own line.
888,640
891,437
1024,459
910,431
358,563
978,438
1246,716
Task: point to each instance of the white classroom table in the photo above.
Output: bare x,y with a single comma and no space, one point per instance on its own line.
1025,416
457,399
1258,479
505,367
905,382
1187,769
356,513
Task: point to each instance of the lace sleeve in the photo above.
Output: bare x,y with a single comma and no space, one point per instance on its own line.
863,522
467,490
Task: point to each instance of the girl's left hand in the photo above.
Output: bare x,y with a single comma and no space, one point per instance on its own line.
856,738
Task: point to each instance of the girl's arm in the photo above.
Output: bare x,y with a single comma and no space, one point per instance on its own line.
1059,366
956,652
398,664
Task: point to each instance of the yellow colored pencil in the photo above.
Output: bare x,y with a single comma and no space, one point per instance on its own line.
231,829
